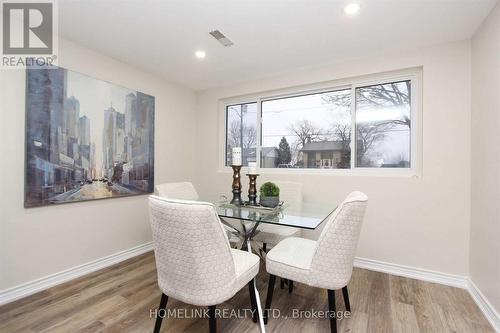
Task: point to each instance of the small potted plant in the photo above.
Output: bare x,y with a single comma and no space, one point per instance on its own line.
269,195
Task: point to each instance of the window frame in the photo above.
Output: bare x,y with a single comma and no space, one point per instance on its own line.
414,75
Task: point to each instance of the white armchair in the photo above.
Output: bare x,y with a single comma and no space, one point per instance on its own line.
186,191
326,263
181,191
194,260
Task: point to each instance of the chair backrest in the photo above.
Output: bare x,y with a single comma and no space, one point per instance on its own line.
331,267
182,191
290,192
193,256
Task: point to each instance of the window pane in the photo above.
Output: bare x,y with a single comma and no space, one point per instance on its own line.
241,131
383,125
309,131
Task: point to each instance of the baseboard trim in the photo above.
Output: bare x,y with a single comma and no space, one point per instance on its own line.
458,281
413,272
32,287
482,302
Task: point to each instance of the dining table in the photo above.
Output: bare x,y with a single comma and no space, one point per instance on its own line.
304,215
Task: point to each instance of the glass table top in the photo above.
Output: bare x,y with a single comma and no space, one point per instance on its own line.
305,216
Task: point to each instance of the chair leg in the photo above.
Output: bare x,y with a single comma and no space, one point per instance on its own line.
161,310
253,300
212,323
346,299
333,311
290,286
269,298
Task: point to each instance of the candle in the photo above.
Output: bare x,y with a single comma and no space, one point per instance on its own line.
237,156
252,168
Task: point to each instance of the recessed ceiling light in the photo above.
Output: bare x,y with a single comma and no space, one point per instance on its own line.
200,54
351,8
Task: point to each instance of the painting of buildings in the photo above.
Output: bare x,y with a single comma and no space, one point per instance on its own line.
85,139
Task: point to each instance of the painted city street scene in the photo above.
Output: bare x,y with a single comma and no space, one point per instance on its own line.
86,139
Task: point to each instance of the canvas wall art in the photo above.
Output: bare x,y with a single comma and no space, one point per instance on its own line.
86,139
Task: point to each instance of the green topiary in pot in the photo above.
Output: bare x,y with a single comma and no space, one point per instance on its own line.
269,195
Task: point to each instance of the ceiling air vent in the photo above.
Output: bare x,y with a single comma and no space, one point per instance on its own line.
221,38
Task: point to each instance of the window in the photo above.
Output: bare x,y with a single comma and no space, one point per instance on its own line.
308,131
241,131
355,126
383,125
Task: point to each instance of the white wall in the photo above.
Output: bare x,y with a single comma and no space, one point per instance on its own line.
421,222
485,209
37,242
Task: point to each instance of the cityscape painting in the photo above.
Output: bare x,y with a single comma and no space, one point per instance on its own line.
86,139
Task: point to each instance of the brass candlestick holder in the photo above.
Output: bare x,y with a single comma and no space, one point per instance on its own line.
252,190
236,185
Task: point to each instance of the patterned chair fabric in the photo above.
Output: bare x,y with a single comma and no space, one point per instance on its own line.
326,263
194,261
181,190
186,191
291,194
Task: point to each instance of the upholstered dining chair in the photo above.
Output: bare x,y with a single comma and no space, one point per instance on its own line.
187,191
194,261
326,263
180,190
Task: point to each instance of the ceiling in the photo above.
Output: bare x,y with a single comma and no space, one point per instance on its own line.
270,36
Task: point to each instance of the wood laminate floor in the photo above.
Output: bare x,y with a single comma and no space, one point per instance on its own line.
121,298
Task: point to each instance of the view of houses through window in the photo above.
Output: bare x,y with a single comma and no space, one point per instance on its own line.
308,131
316,130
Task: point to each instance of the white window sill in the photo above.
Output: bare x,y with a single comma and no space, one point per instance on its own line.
358,172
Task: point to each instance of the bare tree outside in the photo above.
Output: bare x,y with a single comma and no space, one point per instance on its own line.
306,131
235,139
342,132
383,125
396,94
371,131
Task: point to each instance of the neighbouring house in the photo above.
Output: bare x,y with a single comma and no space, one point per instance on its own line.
323,154
269,157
